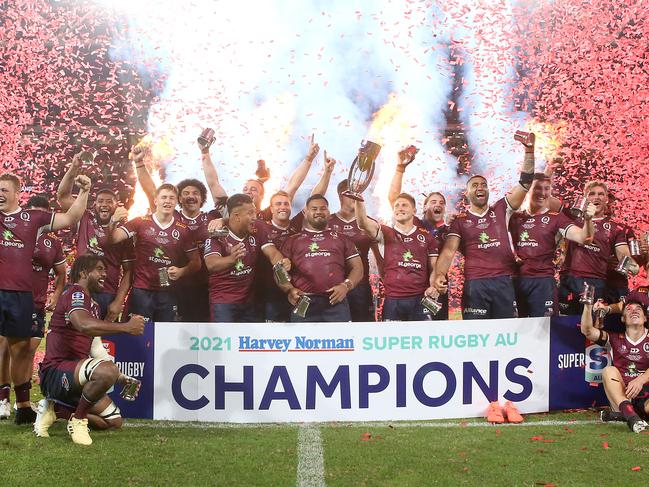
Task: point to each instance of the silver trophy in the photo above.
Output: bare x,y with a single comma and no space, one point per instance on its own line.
206,139
579,207
219,232
362,170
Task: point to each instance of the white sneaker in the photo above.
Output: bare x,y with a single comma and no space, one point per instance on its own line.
639,426
79,432
5,409
45,417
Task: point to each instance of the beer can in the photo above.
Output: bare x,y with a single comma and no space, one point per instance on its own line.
220,232
130,390
624,266
588,294
431,305
634,248
302,306
281,276
163,274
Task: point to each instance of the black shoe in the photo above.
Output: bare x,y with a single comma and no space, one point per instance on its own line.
608,416
25,416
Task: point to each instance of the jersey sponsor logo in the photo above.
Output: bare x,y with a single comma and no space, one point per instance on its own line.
407,240
476,311
159,257
407,256
10,240
9,219
408,260
592,248
315,251
347,227
487,242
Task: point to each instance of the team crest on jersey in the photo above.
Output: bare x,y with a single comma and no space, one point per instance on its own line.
421,238
175,234
545,219
24,216
492,214
65,382
252,241
645,347
607,226
334,234
48,243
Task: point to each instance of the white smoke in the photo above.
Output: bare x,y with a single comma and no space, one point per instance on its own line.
265,75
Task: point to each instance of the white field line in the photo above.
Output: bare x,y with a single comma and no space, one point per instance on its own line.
378,424
310,458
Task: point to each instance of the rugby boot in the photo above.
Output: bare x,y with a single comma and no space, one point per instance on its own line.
511,413
494,413
25,415
45,417
78,429
5,409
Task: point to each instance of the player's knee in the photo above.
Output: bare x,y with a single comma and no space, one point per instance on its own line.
107,373
112,416
610,372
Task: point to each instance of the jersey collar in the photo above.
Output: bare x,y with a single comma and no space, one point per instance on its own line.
163,227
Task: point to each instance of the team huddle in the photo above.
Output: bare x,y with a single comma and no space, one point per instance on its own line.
241,263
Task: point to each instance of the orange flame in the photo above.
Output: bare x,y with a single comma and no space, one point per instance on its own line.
391,128
549,137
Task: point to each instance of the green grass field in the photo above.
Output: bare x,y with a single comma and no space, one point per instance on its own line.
549,449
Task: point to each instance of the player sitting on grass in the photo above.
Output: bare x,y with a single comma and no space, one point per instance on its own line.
75,385
626,382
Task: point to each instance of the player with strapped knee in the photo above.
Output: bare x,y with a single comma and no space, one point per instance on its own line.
73,383
482,235
626,382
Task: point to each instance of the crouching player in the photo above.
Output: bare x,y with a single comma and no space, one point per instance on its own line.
73,383
626,382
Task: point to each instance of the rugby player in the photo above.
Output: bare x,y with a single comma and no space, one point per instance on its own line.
482,235
19,230
92,237
409,253
626,382
232,261
73,384
325,265
535,233
161,241
589,262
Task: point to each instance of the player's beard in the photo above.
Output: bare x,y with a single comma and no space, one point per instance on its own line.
319,224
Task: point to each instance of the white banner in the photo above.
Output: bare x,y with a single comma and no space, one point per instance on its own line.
244,373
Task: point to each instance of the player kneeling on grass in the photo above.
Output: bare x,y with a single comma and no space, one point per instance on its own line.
73,383
626,382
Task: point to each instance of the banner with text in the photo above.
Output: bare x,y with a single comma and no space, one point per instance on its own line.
348,372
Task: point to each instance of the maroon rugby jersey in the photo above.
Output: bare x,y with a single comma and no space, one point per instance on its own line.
631,359
157,246
269,232
65,342
406,272
235,284
613,278
485,241
18,233
535,240
361,240
92,238
591,259
318,259
47,254
198,228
